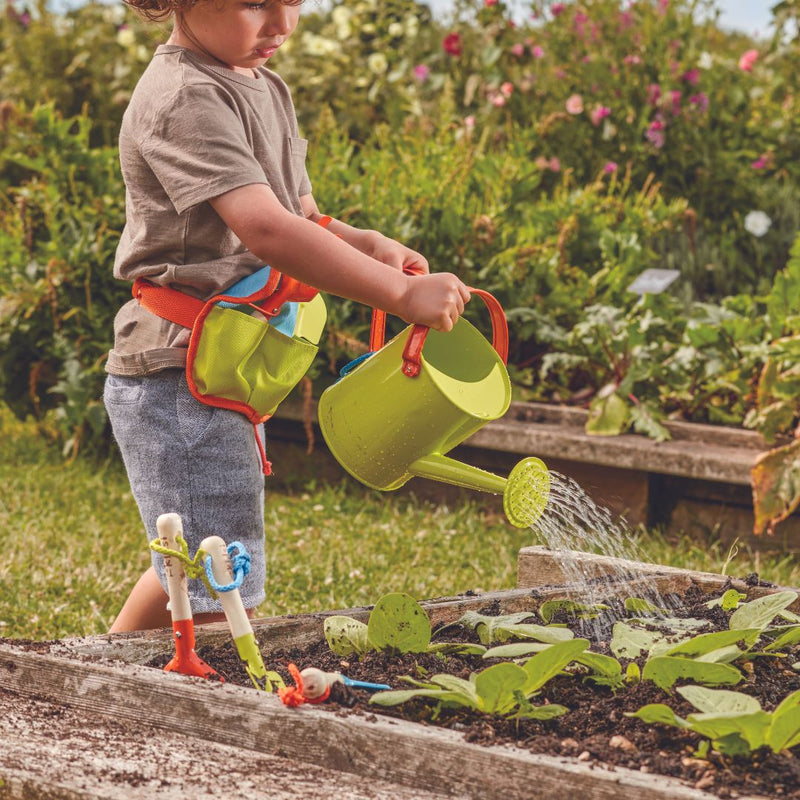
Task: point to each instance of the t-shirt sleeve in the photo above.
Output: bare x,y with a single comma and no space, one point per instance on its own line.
197,148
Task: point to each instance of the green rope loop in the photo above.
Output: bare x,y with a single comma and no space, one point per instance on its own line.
193,567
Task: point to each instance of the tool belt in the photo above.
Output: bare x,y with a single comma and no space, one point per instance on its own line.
238,358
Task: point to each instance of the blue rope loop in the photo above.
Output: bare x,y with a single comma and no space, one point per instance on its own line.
351,365
240,563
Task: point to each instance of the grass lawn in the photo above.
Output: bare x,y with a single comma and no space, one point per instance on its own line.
73,544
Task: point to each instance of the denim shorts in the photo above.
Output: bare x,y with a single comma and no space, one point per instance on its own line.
195,460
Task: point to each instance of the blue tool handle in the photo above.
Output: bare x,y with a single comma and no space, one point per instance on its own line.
373,687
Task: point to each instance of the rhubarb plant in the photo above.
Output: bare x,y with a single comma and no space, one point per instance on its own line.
734,723
504,688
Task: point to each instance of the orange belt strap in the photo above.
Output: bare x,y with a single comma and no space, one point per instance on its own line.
167,303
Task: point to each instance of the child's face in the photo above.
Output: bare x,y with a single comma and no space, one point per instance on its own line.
240,34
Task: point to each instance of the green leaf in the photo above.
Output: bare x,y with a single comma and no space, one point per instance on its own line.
664,671
760,612
785,729
605,670
550,711
399,623
547,664
717,701
724,728
608,413
658,713
629,641
549,609
496,685
485,625
346,636
540,633
706,644
789,637
636,605
775,478
728,601
457,648
516,649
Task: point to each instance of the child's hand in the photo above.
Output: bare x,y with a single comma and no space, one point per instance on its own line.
435,300
397,255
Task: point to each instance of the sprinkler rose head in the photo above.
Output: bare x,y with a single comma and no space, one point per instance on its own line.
526,493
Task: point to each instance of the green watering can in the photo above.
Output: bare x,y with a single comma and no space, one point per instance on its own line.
396,411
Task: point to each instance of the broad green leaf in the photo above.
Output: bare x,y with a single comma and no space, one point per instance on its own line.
397,696
632,673
785,729
458,648
608,413
664,671
637,605
789,637
707,643
485,625
496,685
750,726
673,624
547,664
760,612
549,609
398,622
728,601
723,655
629,641
717,701
346,636
516,649
549,711
605,670
541,633
658,712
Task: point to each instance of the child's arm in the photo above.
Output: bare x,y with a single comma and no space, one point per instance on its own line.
373,243
300,248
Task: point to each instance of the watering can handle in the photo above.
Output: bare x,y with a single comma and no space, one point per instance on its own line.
412,352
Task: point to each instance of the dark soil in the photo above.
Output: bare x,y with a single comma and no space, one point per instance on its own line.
595,730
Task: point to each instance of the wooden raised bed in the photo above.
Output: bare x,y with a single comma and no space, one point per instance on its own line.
697,483
101,679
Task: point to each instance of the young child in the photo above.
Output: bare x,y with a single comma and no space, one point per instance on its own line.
216,187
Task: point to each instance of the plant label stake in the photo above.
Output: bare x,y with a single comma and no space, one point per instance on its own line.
220,573
185,660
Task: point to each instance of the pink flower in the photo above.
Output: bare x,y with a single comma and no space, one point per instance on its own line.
610,167
663,5
700,100
653,93
759,163
452,44
557,9
553,164
747,60
497,99
574,104
598,114
488,3
537,51
625,19
692,77
517,49
675,97
655,134
469,122
632,59
507,89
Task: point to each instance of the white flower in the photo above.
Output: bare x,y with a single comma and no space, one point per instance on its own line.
318,45
609,130
377,63
343,31
114,14
412,26
396,30
706,60
341,15
757,223
125,37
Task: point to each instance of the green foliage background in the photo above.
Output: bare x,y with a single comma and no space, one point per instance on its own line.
549,161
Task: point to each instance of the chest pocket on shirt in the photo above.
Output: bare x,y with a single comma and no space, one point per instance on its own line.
297,153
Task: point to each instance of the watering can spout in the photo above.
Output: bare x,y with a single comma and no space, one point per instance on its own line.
525,491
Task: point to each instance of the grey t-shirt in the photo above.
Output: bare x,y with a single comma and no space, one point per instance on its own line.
193,131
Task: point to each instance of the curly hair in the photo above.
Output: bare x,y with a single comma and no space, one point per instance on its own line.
160,10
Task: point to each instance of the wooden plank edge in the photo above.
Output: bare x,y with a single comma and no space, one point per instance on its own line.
373,747
540,567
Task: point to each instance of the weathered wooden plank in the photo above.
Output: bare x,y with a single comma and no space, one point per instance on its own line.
58,752
539,567
375,748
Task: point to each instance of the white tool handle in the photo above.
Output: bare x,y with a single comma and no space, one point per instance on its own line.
169,527
221,568
316,681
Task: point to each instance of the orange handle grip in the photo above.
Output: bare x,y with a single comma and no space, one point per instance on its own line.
412,353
